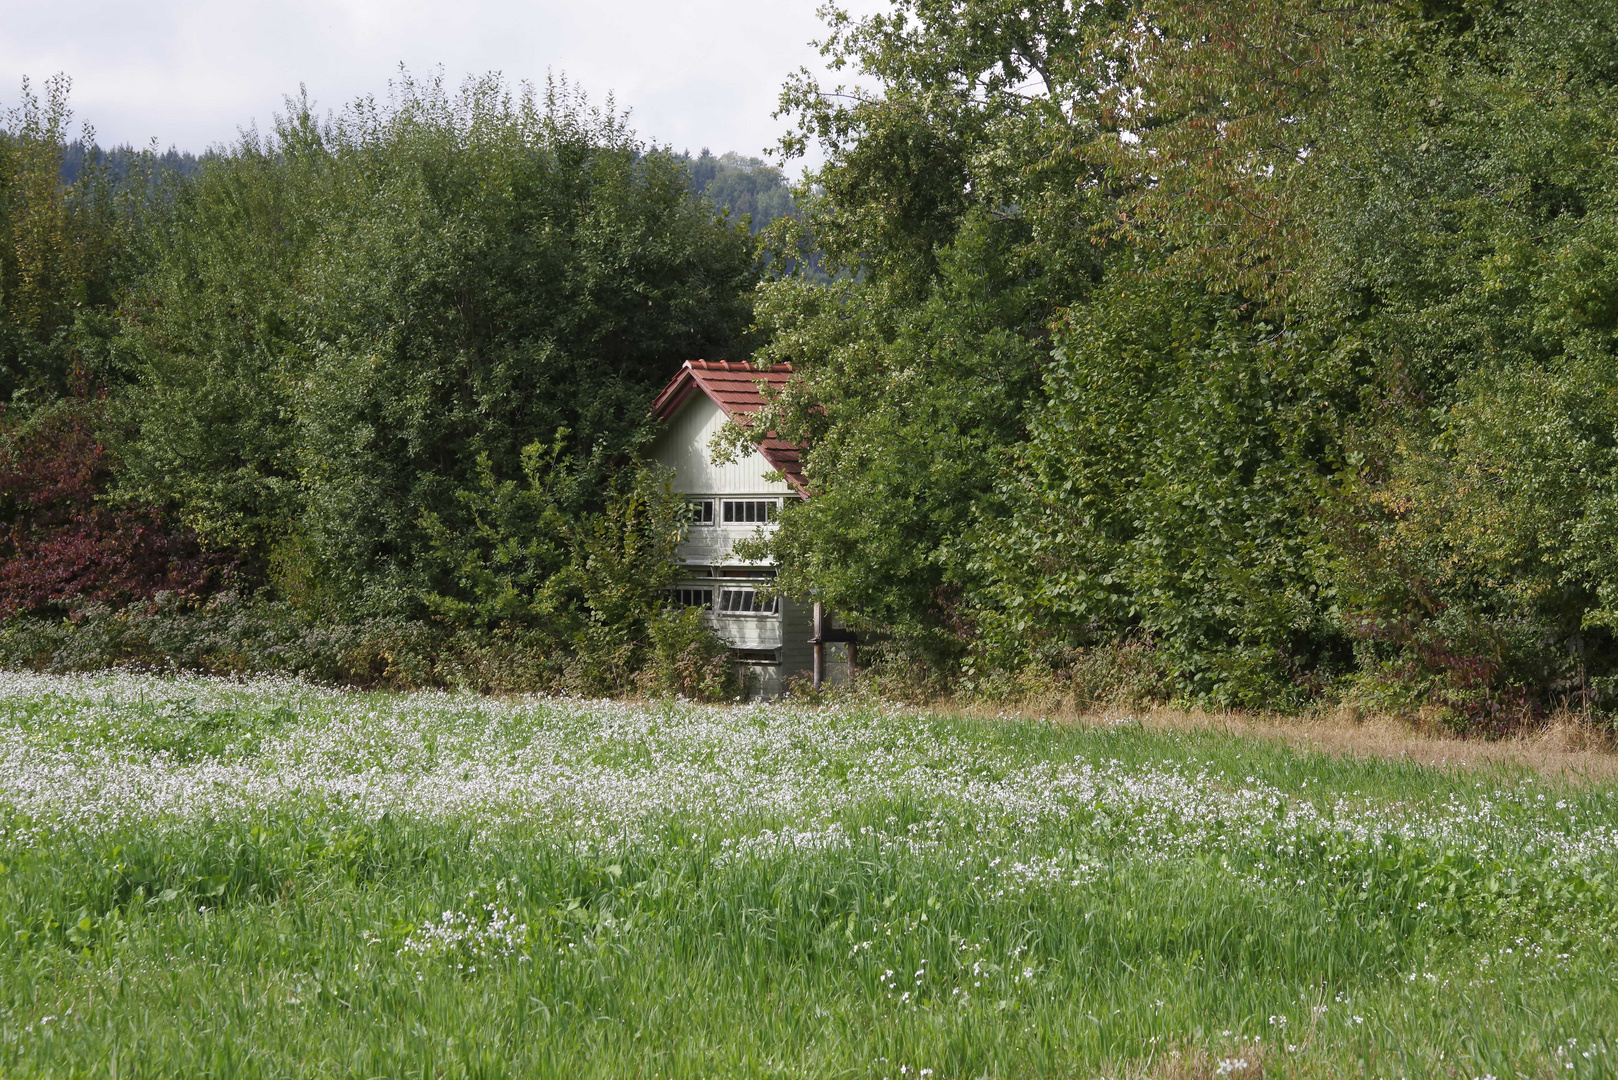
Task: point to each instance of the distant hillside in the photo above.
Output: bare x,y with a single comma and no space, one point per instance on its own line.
735,184
741,185
121,160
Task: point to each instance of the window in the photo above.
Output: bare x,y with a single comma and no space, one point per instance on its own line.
700,511
746,602
750,511
702,598
746,572
755,656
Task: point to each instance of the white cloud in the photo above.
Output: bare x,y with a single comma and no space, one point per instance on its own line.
191,73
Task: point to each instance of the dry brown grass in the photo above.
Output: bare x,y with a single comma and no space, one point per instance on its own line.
1565,747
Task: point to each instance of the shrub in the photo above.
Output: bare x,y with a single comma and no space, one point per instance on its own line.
61,545
231,634
688,658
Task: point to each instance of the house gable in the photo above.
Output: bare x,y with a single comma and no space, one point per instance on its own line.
739,390
683,446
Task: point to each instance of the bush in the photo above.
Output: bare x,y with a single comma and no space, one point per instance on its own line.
230,634
226,635
350,321
1170,491
688,658
61,545
1478,565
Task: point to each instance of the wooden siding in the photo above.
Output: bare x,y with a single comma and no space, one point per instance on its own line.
683,446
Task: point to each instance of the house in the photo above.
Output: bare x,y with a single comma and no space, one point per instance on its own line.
772,638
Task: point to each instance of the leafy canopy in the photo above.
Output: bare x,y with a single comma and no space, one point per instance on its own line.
354,319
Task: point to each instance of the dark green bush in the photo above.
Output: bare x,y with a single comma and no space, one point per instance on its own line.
351,321
233,635
688,659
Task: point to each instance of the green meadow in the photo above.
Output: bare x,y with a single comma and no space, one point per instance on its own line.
270,879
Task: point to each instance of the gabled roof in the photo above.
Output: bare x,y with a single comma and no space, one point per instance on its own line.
737,388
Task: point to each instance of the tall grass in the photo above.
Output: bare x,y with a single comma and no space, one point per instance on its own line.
200,878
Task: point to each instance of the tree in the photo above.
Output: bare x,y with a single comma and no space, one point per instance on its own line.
957,212
351,315
742,187
1377,211
59,253
67,249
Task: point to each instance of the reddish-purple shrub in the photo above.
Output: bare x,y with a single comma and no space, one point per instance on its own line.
60,546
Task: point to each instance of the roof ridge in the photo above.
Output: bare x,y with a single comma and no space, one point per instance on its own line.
738,395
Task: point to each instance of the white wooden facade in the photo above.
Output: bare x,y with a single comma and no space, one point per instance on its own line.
770,636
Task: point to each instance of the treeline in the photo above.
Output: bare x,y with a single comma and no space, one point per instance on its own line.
1262,354
388,369
122,161
744,187
1257,355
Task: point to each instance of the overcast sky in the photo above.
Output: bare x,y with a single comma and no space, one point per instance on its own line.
694,73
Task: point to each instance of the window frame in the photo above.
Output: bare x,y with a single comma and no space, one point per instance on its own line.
773,603
772,511
678,595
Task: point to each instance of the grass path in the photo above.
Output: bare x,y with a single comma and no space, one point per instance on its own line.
212,879
1565,748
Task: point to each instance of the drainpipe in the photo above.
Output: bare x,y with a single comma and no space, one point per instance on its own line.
819,642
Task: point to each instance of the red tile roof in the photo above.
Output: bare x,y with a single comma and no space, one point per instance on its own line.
738,388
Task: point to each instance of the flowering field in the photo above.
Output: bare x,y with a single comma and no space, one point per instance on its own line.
270,879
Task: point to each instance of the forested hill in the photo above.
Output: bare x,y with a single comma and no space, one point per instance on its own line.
741,186
120,161
736,185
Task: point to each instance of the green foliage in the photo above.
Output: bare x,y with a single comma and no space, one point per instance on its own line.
955,208
1480,565
237,636
687,658
350,316
1470,548
1334,915
511,565
624,555
1337,420
229,634
536,560
544,592
927,393
743,187
1171,491
213,327
61,255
